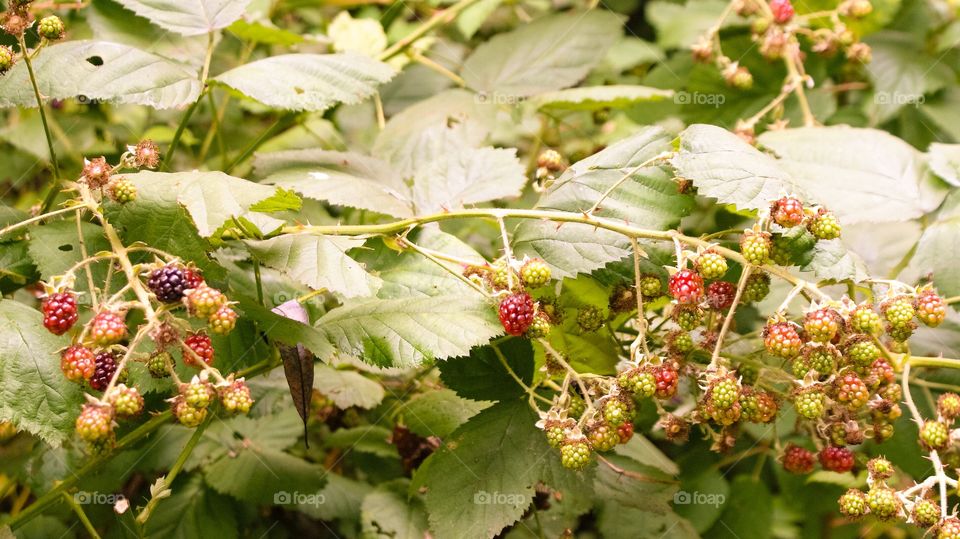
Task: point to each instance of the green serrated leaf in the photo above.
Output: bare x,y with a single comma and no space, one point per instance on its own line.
748,512
454,176
832,260
439,413
482,375
410,274
112,22
644,196
320,262
188,17
100,71
55,248
263,476
388,513
313,82
342,178
347,388
863,175
405,332
553,52
211,198
902,72
282,200
722,166
482,480
34,395
679,25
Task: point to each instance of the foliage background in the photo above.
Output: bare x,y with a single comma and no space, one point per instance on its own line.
398,336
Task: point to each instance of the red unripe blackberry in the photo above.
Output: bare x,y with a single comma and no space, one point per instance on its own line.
797,460
821,325
949,529
930,308
167,283
191,278
836,459
686,286
203,301
667,378
77,363
236,397
106,366
107,328
625,432
782,11
223,321
787,212
603,437
720,295
851,391
200,346
516,313
782,340
59,312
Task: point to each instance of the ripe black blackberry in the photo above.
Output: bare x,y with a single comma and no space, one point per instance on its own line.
106,365
168,283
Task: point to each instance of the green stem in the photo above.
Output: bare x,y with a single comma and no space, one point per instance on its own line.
55,188
174,471
16,226
256,275
81,515
545,215
946,362
438,19
168,157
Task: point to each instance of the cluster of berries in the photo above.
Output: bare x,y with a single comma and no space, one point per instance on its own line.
777,32
97,355
16,20
101,177
511,282
913,505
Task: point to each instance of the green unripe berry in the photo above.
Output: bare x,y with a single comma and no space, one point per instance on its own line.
711,265
810,404
651,286
591,318
853,503
755,247
575,454
934,435
7,59
51,28
756,288
535,273
824,225
883,502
